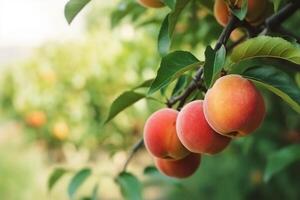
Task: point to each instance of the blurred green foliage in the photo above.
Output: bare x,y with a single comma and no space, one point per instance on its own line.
73,82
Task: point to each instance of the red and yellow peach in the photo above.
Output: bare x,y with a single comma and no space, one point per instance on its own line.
195,133
234,106
160,135
182,168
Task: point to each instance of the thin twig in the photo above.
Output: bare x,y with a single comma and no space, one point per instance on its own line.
234,44
251,30
192,86
196,83
133,151
232,24
197,80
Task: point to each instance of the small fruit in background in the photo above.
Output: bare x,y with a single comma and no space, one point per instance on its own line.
160,135
256,177
60,130
151,3
182,168
48,76
195,133
234,106
256,12
36,119
237,34
292,136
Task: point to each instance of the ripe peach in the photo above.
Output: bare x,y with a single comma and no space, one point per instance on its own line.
179,168
233,106
36,119
160,135
60,130
255,13
151,3
195,133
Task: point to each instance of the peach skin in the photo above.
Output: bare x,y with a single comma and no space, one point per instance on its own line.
182,168
160,135
221,12
237,34
195,133
233,106
151,3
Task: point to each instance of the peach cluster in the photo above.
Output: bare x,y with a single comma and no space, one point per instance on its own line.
232,107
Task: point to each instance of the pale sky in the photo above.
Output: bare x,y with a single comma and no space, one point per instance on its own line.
31,22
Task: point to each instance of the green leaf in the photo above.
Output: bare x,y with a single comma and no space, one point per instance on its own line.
280,160
168,26
180,85
214,62
73,7
276,4
130,186
123,9
297,78
150,170
171,67
164,39
265,46
279,63
123,101
145,84
77,180
240,13
276,81
95,192
55,176
170,3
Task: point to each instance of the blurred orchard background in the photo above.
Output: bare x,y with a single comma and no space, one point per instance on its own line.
58,81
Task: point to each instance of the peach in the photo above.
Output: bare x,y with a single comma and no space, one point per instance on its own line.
195,133
236,35
60,130
182,168
36,119
160,135
221,12
255,13
151,3
233,106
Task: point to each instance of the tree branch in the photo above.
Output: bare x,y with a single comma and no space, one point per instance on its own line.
133,151
283,14
232,24
193,85
234,44
196,83
197,80
271,23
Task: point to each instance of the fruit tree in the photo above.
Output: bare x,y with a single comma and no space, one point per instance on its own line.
222,63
